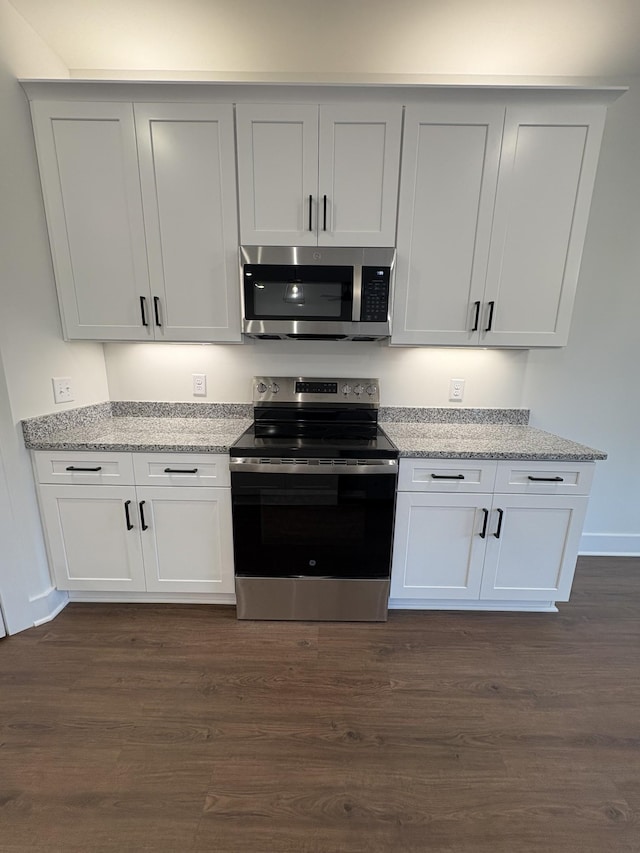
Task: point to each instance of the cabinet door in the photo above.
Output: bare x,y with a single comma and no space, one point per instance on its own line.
547,170
438,551
187,543
277,174
91,543
449,172
534,556
187,168
359,162
89,173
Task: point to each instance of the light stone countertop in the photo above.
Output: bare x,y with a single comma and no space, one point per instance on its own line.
213,428
485,441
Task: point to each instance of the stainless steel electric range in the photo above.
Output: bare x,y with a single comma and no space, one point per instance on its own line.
313,484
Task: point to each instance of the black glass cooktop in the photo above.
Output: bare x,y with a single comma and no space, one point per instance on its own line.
323,446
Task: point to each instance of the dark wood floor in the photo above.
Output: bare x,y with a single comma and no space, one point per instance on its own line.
176,728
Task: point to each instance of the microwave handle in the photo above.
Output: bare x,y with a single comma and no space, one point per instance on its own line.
357,293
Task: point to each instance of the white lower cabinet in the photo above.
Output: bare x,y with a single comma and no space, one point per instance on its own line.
173,538
502,548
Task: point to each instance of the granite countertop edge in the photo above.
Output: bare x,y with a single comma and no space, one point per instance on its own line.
212,428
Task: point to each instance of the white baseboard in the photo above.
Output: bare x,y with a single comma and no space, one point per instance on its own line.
456,604
610,544
47,605
94,597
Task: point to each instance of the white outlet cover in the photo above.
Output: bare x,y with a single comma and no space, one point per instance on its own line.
199,384
456,390
62,390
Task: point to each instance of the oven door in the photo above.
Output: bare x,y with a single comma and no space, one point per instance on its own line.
313,525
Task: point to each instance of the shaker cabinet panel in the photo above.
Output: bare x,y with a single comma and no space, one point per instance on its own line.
531,555
89,174
187,164
187,539
547,171
449,174
93,537
437,552
358,175
277,174
318,175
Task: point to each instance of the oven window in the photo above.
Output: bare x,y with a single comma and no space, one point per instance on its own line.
317,526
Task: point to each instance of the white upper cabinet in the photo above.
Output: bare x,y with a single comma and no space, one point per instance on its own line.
449,175
494,205
324,176
142,218
547,171
89,173
187,176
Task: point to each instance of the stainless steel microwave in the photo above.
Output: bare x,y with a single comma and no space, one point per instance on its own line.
316,293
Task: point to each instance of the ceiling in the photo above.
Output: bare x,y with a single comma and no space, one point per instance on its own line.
586,38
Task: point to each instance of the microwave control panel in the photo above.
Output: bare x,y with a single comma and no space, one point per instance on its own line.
374,304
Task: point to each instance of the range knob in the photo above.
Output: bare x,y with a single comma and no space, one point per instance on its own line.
275,387
358,390
346,389
261,387
371,390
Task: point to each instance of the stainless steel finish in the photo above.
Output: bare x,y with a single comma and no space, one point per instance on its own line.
328,330
335,256
317,599
269,465
282,389
357,294
355,257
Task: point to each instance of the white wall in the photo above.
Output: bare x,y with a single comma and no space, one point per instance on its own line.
31,348
591,390
408,376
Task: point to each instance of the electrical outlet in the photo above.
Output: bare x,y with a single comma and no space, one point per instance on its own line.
62,390
199,384
456,390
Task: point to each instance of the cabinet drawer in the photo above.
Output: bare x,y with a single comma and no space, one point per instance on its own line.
446,475
83,467
181,469
544,478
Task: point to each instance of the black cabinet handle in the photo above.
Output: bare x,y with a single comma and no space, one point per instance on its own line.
310,213
447,476
476,317
143,310
127,516
545,479
483,532
492,305
180,470
92,470
143,524
499,528
324,215
156,309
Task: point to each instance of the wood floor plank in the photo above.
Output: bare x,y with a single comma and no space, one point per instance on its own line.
177,728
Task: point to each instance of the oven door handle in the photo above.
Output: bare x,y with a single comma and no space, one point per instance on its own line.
274,466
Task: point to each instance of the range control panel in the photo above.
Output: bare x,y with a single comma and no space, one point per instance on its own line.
300,389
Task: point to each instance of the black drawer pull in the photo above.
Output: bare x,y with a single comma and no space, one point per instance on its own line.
324,226
447,476
156,310
143,310
310,212
92,470
143,524
127,516
180,470
500,517
545,479
483,532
